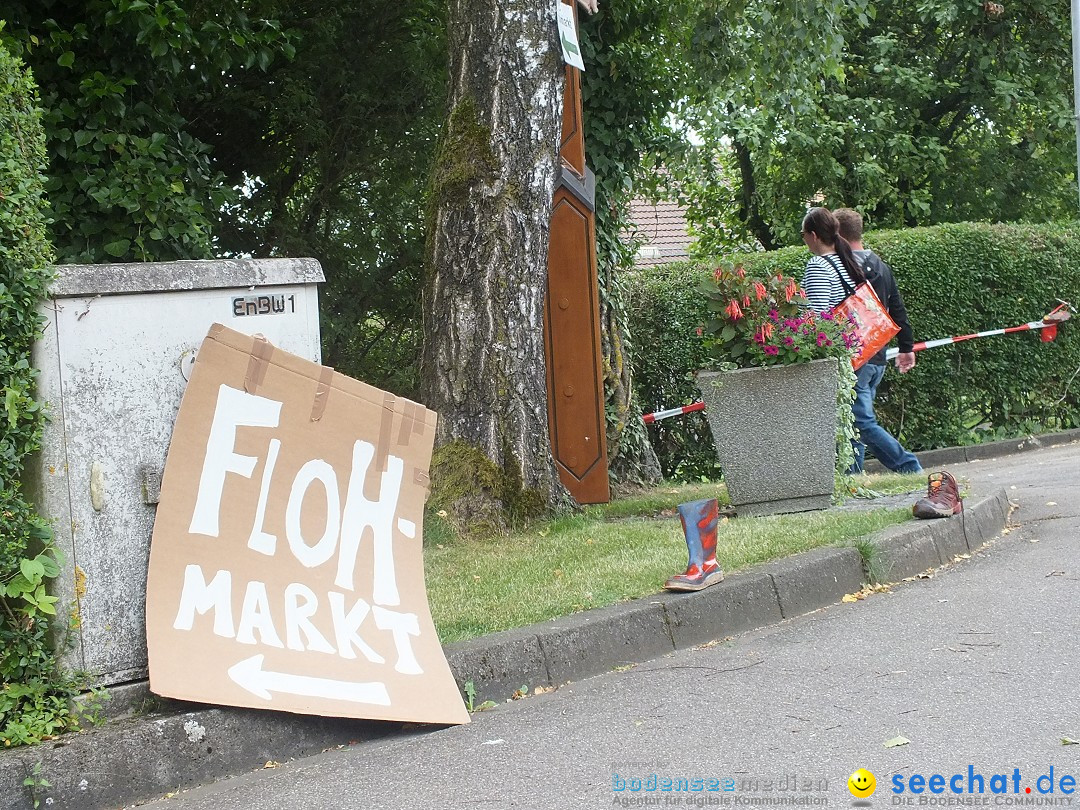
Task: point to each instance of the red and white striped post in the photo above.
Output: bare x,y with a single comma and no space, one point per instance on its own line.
650,418
1049,325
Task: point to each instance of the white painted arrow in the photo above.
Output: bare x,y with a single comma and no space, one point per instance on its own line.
250,675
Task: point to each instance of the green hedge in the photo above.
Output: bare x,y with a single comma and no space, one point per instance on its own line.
956,279
34,691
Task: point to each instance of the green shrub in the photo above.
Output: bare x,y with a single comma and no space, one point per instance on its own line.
34,692
956,279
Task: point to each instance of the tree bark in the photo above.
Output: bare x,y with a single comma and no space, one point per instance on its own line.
483,366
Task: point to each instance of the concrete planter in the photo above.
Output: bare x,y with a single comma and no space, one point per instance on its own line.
775,434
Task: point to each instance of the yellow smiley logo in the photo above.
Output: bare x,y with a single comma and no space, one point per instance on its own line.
862,783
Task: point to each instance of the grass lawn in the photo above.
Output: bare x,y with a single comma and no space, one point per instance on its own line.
618,551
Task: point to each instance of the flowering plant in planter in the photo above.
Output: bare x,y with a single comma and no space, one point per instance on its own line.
759,323
764,322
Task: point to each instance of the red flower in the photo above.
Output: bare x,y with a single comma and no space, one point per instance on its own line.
760,291
733,310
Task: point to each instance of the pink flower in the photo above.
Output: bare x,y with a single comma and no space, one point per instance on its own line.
700,330
774,315
772,350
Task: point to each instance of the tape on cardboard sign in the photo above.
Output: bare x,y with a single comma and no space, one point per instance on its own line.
421,478
322,393
408,421
386,423
258,360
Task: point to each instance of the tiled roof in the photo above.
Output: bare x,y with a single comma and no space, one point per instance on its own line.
662,226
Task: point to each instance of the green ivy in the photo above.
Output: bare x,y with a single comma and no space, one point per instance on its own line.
956,279
35,694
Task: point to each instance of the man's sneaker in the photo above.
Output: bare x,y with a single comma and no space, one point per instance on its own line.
942,497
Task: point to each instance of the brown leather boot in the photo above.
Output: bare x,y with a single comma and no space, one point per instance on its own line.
942,498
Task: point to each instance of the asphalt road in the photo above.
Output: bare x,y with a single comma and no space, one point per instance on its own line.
977,667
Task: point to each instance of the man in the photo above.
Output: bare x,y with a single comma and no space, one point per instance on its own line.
883,444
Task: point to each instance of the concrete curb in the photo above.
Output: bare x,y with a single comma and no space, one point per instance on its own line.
744,601
937,459
140,757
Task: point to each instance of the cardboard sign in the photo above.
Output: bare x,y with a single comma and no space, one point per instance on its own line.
285,568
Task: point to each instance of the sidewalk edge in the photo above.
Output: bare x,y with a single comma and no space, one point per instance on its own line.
108,767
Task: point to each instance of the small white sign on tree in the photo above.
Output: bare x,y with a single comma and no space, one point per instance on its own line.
571,48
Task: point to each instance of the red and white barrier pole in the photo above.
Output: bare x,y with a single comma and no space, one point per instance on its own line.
650,418
1049,325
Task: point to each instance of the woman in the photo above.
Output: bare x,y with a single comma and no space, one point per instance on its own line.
832,259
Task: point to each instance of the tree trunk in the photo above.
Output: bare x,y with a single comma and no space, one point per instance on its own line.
749,212
483,366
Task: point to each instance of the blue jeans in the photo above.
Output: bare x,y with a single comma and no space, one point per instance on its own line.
884,446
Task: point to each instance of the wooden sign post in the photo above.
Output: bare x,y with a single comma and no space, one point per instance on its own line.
572,317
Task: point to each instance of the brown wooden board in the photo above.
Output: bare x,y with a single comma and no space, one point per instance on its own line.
576,419
286,567
572,144
575,380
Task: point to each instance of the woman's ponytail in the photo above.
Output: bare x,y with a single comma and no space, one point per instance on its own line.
847,256
823,223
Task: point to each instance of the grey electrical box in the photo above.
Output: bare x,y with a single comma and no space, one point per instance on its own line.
114,358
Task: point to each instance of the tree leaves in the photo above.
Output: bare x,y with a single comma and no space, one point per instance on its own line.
332,148
116,80
886,116
118,247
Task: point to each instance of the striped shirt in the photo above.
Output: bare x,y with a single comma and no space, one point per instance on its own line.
823,287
